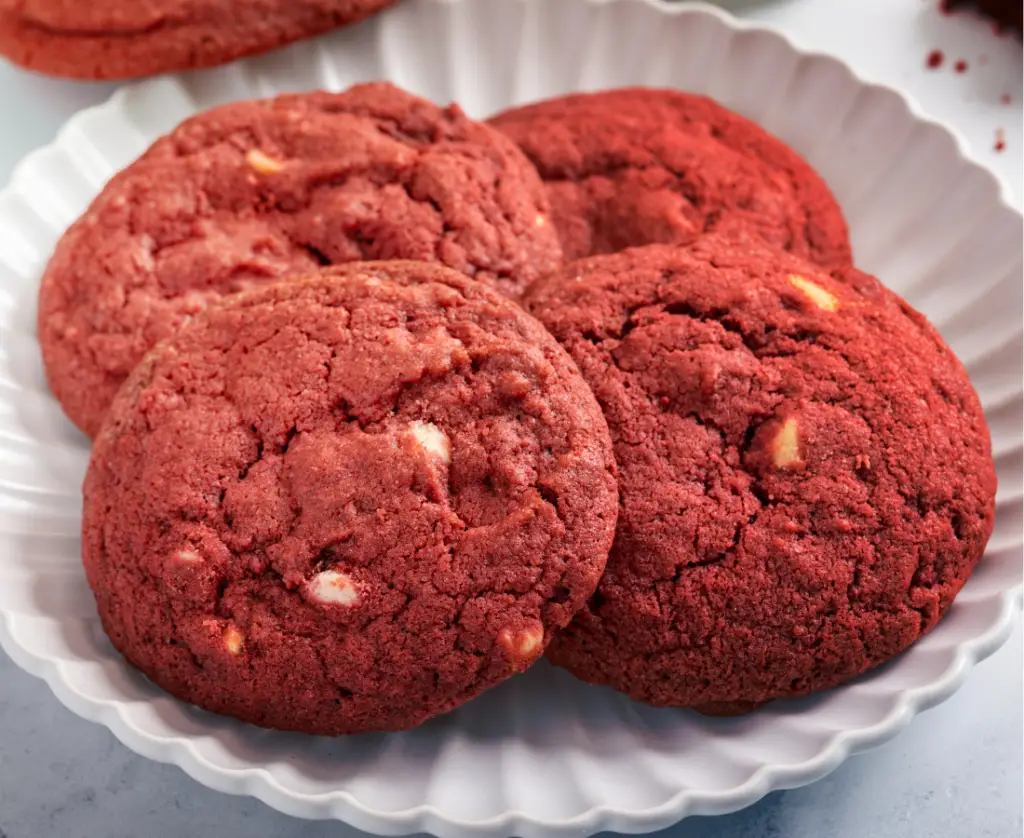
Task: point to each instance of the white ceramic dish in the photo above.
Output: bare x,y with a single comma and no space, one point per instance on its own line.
542,755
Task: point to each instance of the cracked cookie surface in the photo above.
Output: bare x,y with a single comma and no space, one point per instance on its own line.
348,503
805,472
116,39
637,166
249,192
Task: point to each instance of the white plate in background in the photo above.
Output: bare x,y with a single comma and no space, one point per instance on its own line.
542,755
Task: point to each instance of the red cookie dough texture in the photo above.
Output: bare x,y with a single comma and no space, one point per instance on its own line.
118,39
638,166
250,192
348,504
805,472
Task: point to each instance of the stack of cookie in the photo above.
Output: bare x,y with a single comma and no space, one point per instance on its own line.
387,403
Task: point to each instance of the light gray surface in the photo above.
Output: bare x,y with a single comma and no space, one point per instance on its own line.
956,771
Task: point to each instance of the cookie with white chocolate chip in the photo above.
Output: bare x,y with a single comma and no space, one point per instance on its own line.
249,192
805,472
348,503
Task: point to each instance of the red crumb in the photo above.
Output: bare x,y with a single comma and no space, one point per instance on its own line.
960,66
1000,140
935,59
1006,98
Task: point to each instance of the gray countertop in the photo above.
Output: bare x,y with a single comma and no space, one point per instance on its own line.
958,770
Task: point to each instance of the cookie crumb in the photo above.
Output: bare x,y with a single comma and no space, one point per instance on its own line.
513,385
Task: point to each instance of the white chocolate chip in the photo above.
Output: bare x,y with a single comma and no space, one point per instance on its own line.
432,440
333,588
540,220
262,163
522,645
233,640
823,299
786,445
188,556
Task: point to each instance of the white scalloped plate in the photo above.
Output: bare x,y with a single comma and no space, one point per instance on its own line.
542,755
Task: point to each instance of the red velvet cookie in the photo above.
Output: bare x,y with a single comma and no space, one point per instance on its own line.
1008,14
249,192
805,472
638,166
348,503
117,39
